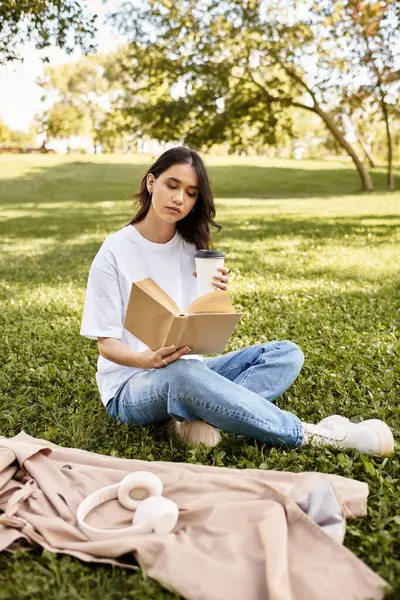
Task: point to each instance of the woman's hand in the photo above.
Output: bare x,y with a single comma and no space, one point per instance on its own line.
120,353
220,278
160,358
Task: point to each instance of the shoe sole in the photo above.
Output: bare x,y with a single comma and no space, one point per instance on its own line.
384,435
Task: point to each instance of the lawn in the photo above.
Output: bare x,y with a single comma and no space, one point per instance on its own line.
313,261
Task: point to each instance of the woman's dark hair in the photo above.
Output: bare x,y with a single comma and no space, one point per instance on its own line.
195,227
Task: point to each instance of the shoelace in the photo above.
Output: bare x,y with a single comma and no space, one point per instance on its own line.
322,436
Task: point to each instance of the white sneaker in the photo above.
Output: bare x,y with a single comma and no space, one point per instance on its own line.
327,422
369,437
380,428
195,432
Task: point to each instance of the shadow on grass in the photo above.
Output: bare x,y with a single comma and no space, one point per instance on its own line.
318,229
67,223
68,254
91,182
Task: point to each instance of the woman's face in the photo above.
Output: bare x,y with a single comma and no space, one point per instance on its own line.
174,192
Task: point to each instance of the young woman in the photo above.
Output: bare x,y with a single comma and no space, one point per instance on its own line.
235,391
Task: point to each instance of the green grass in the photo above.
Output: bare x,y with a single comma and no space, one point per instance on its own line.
313,261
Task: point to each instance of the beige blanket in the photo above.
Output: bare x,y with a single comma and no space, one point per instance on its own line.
241,533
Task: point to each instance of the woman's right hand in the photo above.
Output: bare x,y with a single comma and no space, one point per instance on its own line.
162,357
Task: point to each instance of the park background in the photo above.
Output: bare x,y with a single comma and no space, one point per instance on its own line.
295,110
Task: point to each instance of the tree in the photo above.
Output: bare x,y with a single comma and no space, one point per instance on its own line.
378,29
208,111
15,138
5,134
22,139
364,145
364,35
82,89
111,132
61,22
363,118
60,121
205,70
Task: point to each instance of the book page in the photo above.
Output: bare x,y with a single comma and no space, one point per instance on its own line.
206,333
155,291
214,302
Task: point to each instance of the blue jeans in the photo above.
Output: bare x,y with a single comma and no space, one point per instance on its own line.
233,391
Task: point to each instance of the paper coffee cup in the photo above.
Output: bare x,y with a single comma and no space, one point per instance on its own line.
207,263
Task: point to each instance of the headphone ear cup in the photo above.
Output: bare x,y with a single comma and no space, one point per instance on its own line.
157,514
135,487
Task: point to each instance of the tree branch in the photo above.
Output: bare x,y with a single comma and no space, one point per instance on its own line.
300,105
272,98
297,78
266,93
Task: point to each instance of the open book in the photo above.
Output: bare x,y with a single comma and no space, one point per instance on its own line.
156,320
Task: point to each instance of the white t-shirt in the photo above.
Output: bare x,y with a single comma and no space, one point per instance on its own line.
126,256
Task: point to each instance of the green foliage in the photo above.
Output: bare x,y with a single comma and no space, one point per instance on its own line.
61,121
310,263
212,72
111,132
85,96
61,22
361,40
19,139
208,76
5,134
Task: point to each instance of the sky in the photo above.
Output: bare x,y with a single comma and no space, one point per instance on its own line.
19,94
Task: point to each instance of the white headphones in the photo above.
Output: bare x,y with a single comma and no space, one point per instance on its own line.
140,491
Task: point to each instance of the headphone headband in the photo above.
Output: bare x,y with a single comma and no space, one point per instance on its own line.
154,513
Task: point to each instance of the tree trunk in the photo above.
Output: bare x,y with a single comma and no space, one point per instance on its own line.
390,176
366,182
364,147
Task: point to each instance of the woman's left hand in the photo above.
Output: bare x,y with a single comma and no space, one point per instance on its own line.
220,278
